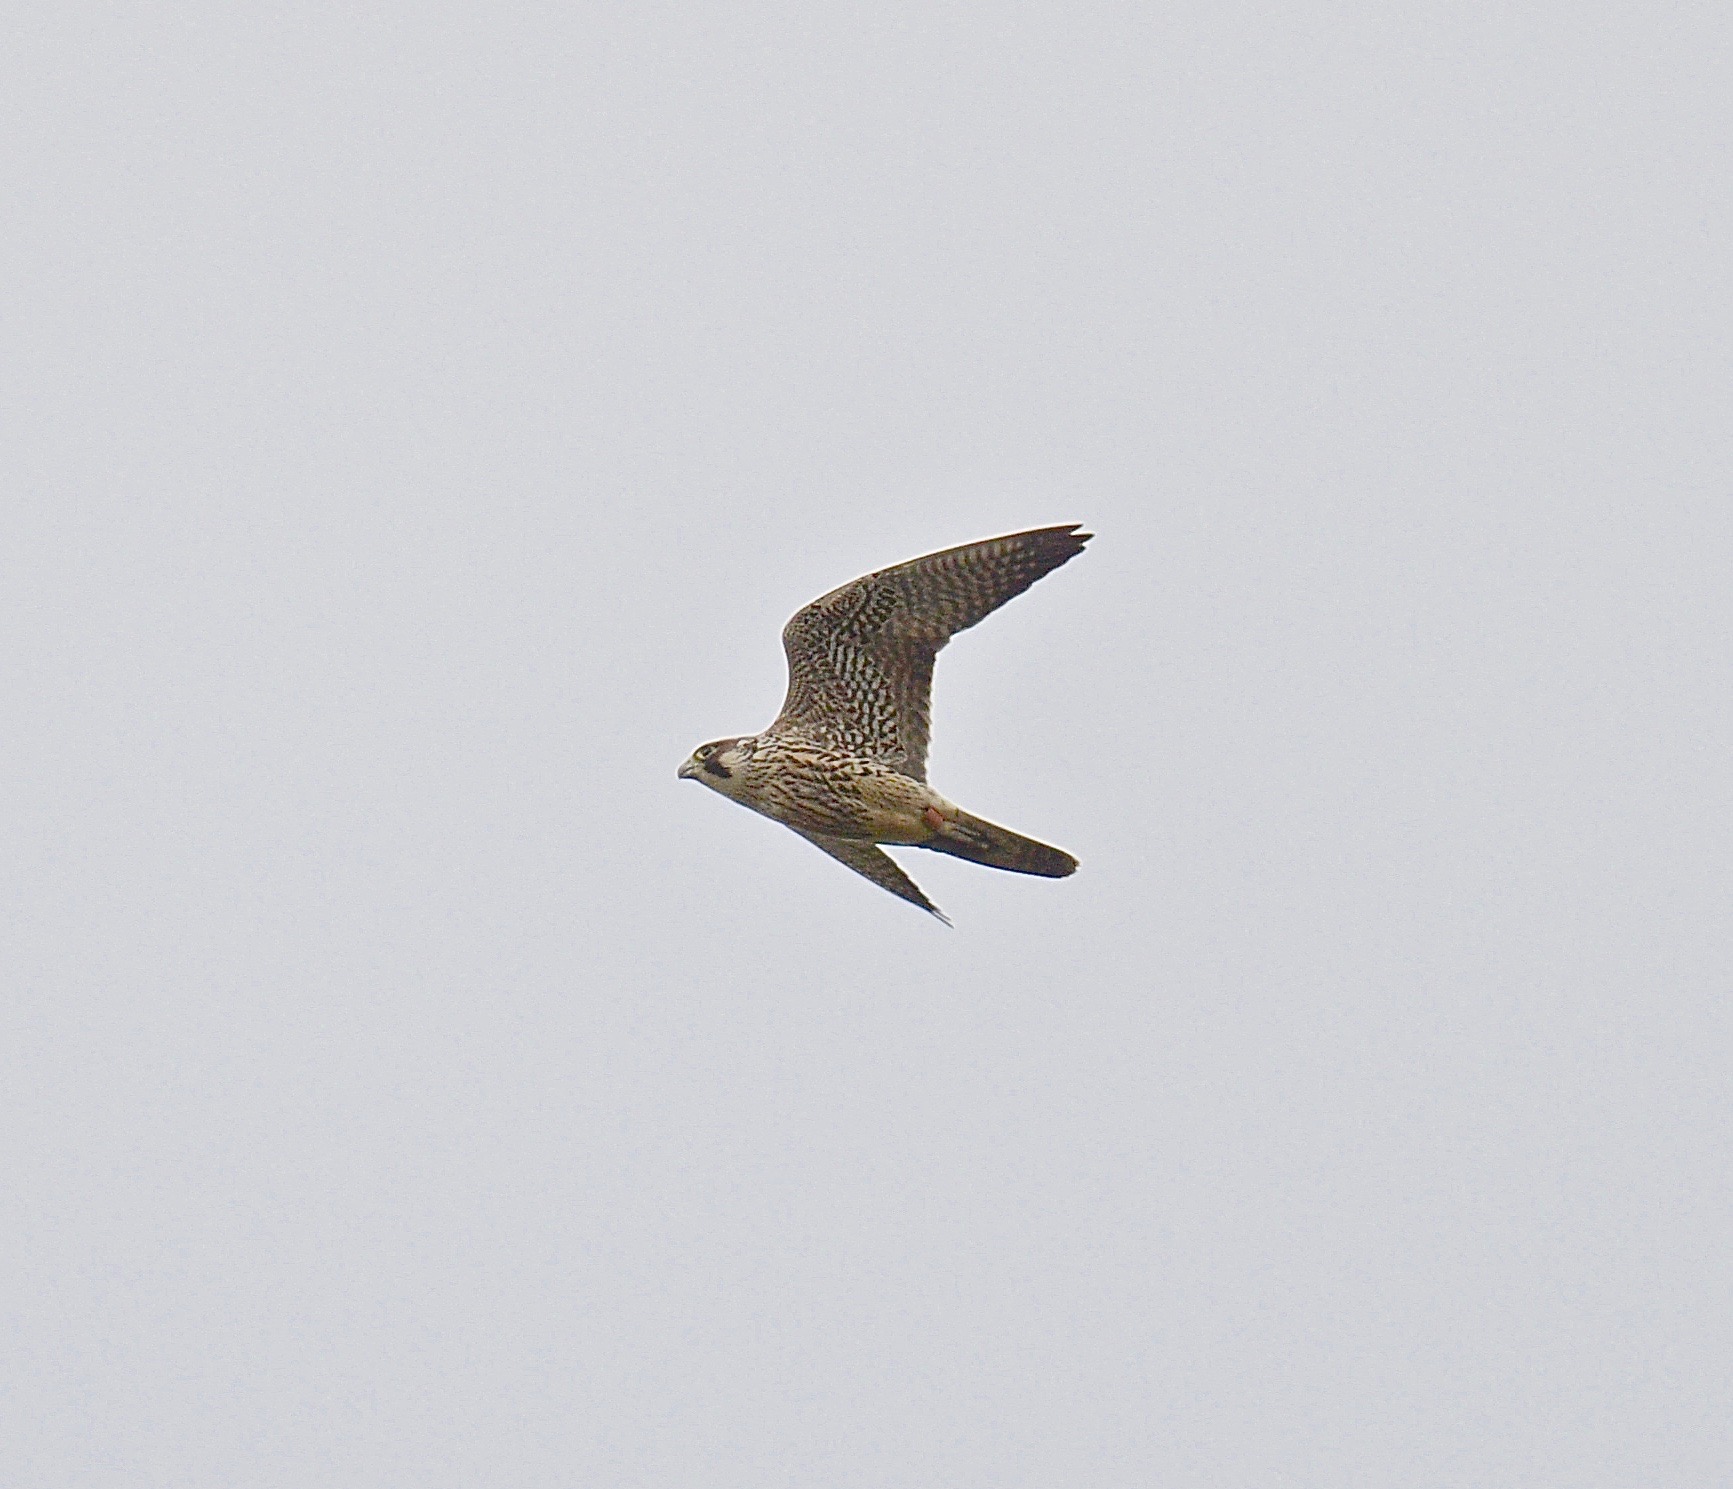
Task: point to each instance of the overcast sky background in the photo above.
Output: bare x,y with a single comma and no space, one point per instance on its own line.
419,422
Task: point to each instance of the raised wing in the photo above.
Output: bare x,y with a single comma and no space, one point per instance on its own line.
860,659
872,861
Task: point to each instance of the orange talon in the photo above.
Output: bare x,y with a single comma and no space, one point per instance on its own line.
935,818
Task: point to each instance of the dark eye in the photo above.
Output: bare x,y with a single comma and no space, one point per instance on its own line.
706,751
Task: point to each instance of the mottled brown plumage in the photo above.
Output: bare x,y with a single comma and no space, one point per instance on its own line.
845,762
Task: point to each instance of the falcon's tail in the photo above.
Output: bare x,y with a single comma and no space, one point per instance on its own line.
1000,848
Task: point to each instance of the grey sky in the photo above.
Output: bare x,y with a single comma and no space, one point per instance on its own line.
418,424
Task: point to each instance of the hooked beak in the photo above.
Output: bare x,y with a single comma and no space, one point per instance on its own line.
688,771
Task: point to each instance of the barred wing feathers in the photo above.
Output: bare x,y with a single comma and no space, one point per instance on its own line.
860,659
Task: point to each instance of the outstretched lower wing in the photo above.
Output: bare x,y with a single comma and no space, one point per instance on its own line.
874,863
860,659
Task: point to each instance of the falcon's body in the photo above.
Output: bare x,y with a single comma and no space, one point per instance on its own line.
845,762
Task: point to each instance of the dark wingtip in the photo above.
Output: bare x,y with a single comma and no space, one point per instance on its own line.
1069,537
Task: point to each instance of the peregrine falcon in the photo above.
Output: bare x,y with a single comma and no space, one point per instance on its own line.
845,762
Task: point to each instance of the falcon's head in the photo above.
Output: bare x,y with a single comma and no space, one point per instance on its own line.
718,763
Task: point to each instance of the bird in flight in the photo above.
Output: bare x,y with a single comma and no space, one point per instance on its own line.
845,762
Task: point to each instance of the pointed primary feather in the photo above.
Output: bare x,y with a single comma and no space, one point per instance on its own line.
860,659
874,863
